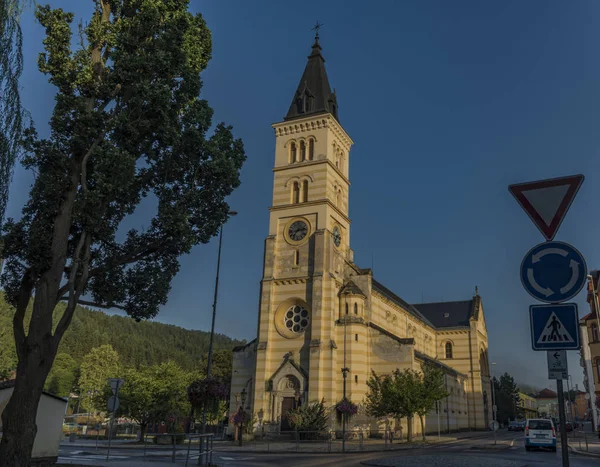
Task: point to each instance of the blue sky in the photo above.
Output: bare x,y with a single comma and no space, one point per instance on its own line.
448,103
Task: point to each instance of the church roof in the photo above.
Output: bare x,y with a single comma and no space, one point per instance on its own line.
398,301
449,370
313,95
447,314
351,289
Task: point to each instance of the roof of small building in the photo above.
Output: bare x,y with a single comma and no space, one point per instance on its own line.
8,384
447,314
546,394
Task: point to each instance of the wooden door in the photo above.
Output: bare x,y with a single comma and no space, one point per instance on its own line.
287,404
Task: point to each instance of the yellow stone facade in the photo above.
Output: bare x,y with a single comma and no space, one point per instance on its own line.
315,301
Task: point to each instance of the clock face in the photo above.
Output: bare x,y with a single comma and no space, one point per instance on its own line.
298,230
337,236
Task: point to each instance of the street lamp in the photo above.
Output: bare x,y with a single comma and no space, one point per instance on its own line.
494,407
214,314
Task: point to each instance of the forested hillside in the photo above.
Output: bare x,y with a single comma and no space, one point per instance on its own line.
138,344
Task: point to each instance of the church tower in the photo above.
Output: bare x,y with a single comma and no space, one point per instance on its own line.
325,324
307,245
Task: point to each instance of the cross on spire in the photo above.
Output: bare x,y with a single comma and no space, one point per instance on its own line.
316,29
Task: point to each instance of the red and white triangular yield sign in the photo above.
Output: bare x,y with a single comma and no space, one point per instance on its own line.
546,202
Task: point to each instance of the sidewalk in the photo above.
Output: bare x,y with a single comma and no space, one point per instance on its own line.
578,445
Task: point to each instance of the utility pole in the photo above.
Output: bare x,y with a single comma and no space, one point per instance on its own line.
564,442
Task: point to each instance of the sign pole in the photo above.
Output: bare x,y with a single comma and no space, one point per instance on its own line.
112,418
562,420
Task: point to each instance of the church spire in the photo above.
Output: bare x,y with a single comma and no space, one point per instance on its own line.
313,95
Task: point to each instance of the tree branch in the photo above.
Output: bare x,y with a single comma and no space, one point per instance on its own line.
75,292
97,305
19,317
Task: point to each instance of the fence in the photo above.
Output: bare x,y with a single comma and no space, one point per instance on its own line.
577,436
325,441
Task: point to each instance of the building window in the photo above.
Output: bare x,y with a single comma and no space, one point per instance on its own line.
305,191
311,149
346,308
356,378
356,308
296,193
356,337
297,258
448,350
293,153
302,151
594,333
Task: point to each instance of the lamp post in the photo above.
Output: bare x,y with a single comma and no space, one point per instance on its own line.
345,371
242,413
494,407
214,314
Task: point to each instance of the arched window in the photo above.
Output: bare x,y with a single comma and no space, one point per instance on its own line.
594,333
311,149
346,308
305,191
296,193
297,258
293,152
302,151
448,350
356,308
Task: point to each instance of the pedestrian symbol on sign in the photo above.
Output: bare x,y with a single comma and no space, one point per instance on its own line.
554,331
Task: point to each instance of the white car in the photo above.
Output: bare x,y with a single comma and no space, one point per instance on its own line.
540,433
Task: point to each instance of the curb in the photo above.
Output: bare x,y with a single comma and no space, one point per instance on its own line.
583,453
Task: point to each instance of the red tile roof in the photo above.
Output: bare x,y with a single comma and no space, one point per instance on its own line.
546,394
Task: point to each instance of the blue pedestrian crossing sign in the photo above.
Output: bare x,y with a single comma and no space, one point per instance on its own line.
554,327
553,272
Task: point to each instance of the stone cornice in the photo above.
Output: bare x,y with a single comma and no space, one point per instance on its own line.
281,207
295,165
325,120
292,280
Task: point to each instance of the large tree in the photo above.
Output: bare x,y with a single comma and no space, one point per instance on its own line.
396,396
62,376
507,398
128,125
97,367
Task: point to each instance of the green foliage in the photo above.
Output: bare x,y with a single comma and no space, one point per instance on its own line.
97,367
433,388
63,375
405,393
156,393
139,345
12,115
8,355
507,398
309,418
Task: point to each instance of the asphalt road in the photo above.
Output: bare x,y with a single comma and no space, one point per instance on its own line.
509,451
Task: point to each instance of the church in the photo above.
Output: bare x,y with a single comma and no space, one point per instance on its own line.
321,314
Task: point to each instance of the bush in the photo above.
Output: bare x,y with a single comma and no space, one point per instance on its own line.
311,419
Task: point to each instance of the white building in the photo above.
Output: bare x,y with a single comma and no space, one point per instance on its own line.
49,420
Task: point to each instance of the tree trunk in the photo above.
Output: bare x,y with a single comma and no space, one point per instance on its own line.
410,428
422,427
19,416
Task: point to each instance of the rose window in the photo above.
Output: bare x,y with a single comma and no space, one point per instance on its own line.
296,319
